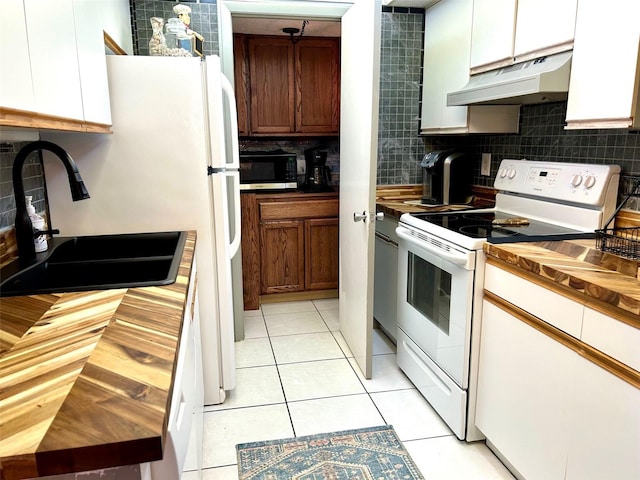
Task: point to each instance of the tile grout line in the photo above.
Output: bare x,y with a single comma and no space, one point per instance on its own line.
275,361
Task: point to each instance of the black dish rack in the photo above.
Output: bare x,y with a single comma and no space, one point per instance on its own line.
624,242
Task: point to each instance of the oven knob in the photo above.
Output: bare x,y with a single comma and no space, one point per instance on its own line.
511,173
502,172
590,181
576,180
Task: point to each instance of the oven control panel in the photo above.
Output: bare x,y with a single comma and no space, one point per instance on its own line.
571,182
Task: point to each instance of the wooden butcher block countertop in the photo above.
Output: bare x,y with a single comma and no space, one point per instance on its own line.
86,377
394,200
577,267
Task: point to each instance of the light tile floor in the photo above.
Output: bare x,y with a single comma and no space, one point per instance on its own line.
296,376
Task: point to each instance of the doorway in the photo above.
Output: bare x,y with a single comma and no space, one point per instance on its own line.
358,130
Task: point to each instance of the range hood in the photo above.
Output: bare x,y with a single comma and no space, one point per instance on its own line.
544,79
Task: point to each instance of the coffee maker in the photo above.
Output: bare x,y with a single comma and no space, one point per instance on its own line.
317,173
446,177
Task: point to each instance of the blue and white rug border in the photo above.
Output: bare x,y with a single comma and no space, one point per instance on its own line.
315,436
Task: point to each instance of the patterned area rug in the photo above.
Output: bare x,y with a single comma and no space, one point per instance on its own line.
365,454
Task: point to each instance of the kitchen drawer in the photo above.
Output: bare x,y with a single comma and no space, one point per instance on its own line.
615,338
299,209
448,399
553,308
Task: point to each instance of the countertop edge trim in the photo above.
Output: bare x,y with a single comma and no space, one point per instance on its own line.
610,364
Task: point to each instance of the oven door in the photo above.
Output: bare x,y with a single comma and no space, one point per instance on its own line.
435,294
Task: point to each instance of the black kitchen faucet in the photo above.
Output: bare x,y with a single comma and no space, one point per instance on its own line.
25,233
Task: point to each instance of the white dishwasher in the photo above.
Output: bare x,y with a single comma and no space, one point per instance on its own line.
385,282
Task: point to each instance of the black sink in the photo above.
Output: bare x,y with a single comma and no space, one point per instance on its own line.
98,263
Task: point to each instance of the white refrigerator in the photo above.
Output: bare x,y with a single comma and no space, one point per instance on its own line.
170,164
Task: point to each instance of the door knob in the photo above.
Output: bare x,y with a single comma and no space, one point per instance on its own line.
364,216
360,217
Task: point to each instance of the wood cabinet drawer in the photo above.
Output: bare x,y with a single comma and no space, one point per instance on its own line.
302,209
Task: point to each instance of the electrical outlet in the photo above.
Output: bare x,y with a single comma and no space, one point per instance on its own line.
485,166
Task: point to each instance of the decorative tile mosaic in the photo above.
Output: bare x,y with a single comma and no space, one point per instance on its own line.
204,20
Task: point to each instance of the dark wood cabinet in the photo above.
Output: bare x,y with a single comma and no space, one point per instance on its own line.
317,86
282,256
290,244
271,87
287,89
321,253
241,77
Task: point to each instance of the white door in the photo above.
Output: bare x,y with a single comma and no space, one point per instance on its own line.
360,65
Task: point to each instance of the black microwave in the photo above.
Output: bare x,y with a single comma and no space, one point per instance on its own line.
276,170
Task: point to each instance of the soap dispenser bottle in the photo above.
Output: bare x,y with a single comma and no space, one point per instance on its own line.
40,242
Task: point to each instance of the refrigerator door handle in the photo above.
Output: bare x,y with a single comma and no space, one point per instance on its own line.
227,89
234,246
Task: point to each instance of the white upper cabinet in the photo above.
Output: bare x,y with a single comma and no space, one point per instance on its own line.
16,89
511,31
54,61
604,83
544,27
53,71
447,50
92,64
445,47
492,34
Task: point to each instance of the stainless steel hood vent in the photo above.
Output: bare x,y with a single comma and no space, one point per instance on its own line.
544,79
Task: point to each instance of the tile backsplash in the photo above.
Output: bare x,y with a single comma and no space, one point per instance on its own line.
400,147
331,145
543,137
33,178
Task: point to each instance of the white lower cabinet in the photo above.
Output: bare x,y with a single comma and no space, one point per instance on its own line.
183,446
605,426
523,386
546,402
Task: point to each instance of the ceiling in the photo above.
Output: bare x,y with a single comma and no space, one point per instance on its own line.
315,28
274,26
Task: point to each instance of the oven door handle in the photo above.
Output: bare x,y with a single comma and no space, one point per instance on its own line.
461,259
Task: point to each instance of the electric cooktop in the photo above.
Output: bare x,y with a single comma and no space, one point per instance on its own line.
510,228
